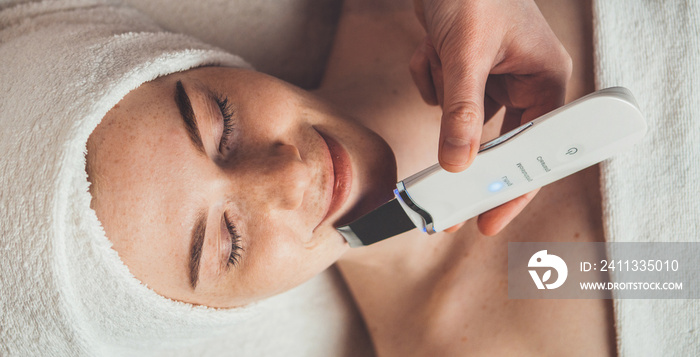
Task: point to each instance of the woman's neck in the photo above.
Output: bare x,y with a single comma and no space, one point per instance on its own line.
440,294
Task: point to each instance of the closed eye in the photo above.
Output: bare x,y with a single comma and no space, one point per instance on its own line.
228,125
226,137
236,249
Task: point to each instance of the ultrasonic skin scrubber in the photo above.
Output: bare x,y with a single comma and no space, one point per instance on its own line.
551,147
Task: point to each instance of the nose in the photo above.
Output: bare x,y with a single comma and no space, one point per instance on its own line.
282,176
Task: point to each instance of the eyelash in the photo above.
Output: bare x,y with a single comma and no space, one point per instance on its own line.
236,248
227,114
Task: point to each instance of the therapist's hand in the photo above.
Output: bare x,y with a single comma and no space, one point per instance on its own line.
481,55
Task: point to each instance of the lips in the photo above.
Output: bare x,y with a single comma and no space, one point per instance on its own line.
341,171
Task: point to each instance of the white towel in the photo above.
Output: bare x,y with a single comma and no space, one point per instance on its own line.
63,290
652,193
289,39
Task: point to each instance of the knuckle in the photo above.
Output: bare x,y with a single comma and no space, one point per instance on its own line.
464,112
418,62
565,60
415,64
568,65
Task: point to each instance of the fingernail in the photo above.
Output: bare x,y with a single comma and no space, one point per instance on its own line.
455,151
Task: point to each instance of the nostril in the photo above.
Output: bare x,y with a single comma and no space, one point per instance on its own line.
293,181
291,177
287,150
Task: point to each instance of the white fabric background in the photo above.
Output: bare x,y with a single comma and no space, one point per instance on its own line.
652,192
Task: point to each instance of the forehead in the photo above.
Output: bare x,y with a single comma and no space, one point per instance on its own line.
142,165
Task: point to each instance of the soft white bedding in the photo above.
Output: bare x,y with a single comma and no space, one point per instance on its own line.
652,192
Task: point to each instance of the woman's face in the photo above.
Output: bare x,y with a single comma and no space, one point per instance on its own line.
221,186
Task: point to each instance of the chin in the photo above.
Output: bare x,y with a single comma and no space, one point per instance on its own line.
374,178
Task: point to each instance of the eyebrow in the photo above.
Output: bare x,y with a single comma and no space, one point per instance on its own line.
187,114
198,230
182,100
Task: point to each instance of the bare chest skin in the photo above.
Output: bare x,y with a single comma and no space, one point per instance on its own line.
447,293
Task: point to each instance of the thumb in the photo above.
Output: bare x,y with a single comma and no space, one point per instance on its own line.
463,109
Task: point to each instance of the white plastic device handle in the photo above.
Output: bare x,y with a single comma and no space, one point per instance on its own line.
551,147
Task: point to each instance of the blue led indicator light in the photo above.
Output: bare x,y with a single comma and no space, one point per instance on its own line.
496,186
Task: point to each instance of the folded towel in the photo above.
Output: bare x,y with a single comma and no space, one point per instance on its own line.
63,290
289,39
652,193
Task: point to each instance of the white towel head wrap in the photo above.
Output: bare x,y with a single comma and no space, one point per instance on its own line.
63,290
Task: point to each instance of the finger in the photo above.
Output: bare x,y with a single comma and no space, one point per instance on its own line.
553,98
420,68
464,78
537,92
550,92
511,120
491,107
494,220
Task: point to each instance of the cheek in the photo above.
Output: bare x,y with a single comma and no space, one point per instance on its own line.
277,261
271,257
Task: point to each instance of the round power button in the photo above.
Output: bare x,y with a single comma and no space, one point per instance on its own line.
569,152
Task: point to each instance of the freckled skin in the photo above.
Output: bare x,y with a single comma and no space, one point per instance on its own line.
149,183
